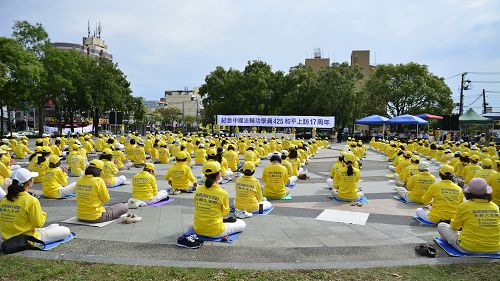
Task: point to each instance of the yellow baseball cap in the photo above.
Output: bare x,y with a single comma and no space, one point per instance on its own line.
76,146
150,166
96,163
349,157
46,149
446,169
181,155
212,151
38,149
415,158
211,167
486,162
107,151
248,166
54,159
475,158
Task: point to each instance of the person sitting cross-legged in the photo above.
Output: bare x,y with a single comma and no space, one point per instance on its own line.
144,188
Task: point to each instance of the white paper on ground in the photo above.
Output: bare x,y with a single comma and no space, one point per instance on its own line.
343,216
74,220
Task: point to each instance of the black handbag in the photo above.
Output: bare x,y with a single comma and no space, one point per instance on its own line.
20,243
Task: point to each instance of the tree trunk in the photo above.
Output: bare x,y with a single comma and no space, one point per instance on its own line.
72,121
95,122
1,119
40,120
9,121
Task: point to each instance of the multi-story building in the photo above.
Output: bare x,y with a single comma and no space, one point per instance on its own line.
187,101
92,45
362,59
317,62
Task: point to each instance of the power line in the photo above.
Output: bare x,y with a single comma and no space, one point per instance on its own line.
485,81
453,76
485,73
480,95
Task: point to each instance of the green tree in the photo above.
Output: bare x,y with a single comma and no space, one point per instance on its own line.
168,115
20,72
35,39
408,89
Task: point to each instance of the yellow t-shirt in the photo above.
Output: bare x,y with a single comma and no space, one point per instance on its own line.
181,175
144,186
250,156
296,165
275,176
40,169
120,157
91,194
469,172
54,178
288,166
347,185
76,163
445,196
232,159
23,216
5,172
418,185
484,173
248,193
109,172
210,206
480,223
139,155
199,155
494,181
163,155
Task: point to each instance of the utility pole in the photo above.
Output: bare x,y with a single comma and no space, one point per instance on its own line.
484,101
461,108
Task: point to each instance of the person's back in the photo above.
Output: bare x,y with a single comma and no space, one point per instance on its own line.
250,156
347,184
91,194
445,197
418,185
275,176
139,155
23,215
199,155
210,206
288,166
130,150
248,193
232,159
480,223
163,155
180,175
54,178
471,169
76,163
144,186
109,172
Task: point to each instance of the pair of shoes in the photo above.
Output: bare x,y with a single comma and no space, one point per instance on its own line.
190,242
131,218
242,214
425,249
174,192
359,204
132,204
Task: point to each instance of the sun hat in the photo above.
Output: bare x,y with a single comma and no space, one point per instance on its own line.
478,186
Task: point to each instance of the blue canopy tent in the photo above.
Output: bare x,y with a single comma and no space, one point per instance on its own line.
373,120
407,119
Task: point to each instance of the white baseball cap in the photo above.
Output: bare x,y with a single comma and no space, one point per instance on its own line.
23,175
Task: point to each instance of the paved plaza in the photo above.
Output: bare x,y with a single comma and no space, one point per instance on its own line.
288,237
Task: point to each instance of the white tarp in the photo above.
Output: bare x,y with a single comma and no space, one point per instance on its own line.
276,121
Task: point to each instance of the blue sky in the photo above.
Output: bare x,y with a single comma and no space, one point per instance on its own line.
173,44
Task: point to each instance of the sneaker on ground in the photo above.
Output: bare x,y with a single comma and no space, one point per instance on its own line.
190,242
174,192
132,204
131,218
243,214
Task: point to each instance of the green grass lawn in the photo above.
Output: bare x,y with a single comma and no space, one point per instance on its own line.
18,268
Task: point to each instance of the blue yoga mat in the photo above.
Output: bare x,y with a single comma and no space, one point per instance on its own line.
72,195
291,186
232,237
287,197
52,245
363,200
265,212
450,250
401,199
422,221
